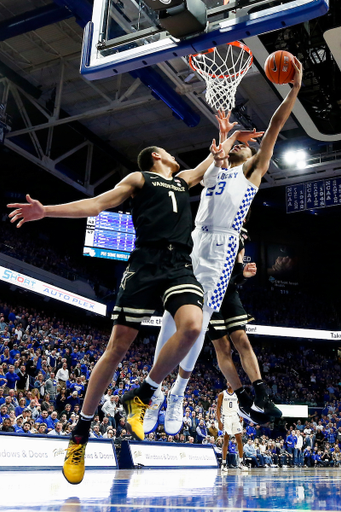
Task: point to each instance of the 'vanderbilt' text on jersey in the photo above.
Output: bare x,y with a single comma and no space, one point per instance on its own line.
162,213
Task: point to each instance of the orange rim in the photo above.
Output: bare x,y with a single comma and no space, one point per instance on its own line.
238,44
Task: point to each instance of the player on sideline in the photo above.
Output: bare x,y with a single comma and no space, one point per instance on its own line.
160,266
230,423
223,207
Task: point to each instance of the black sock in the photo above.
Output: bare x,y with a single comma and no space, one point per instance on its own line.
260,389
244,398
82,428
145,392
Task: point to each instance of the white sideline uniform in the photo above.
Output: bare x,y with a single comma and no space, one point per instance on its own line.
229,411
223,206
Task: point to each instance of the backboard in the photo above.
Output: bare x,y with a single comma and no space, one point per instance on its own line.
123,35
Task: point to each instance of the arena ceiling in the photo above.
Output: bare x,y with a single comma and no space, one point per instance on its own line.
88,134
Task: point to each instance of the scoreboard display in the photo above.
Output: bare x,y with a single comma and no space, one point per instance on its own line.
110,235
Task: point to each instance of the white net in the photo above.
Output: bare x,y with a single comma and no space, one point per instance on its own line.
222,69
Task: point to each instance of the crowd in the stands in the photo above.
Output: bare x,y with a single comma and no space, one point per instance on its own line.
45,365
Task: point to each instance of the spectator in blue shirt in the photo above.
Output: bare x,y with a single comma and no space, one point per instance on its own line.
26,428
251,431
3,413
291,441
11,377
250,452
52,420
201,431
20,408
73,400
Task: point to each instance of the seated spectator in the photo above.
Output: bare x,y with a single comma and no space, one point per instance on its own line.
7,426
96,432
18,425
57,431
104,425
250,453
22,405
35,397
3,413
26,428
201,431
110,434
35,409
73,400
42,418
42,429
121,426
46,404
67,411
9,404
52,420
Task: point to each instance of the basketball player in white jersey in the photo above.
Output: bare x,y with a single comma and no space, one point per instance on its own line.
230,423
223,206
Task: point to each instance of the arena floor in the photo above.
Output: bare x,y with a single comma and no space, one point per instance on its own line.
174,490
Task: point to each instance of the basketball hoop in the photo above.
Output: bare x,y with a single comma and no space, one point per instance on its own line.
222,69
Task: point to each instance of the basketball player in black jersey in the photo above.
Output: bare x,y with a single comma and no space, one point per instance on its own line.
160,266
228,325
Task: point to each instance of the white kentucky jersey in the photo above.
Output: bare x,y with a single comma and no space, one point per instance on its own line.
229,405
225,200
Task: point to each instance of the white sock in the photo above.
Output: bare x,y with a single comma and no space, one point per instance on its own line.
152,383
179,386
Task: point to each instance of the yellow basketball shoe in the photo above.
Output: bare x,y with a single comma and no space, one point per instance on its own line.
135,410
74,465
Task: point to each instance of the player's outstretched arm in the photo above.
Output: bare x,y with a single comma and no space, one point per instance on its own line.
258,165
34,210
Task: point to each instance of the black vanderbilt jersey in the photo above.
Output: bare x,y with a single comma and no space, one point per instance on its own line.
161,212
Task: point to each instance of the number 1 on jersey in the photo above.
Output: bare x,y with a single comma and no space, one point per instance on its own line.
174,203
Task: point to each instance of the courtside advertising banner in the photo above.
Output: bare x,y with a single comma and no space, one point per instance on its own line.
25,452
268,330
170,455
34,285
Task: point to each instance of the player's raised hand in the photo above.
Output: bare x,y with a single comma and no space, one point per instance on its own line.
246,136
26,212
218,153
250,270
297,80
225,126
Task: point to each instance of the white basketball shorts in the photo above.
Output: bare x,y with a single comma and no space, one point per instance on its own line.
213,258
232,425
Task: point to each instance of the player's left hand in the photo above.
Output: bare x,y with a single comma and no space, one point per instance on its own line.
250,270
246,136
218,153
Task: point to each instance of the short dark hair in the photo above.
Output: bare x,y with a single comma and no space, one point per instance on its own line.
253,150
145,160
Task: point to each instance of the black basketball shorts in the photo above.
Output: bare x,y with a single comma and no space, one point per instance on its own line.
156,279
231,317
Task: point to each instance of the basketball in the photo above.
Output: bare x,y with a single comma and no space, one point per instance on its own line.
279,67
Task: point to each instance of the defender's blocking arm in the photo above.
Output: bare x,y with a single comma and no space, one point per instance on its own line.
35,210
